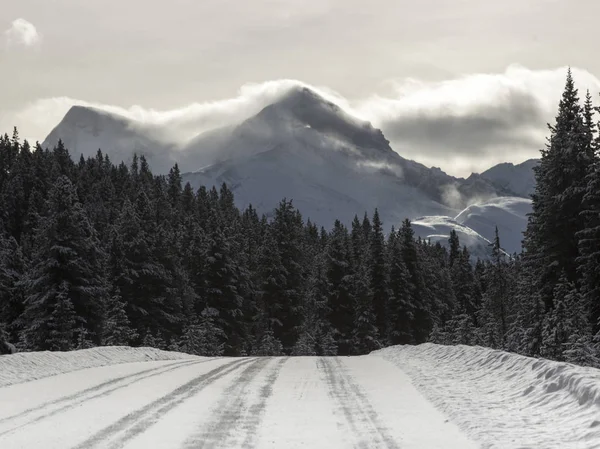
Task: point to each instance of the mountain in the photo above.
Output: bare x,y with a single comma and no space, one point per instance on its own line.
330,163
84,130
301,147
518,179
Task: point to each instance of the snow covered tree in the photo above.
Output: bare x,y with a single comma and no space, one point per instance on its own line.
222,291
339,279
379,278
58,329
117,328
560,187
268,345
67,275
12,267
401,303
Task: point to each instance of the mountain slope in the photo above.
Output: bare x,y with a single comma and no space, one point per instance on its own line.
518,179
84,130
437,229
331,164
509,214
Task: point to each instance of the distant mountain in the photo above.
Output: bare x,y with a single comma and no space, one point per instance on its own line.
302,147
84,130
518,179
330,163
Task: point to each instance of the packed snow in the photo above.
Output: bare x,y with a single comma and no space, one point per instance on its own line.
27,366
256,402
409,397
504,400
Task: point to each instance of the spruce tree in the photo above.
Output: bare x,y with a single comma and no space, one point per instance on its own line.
67,274
401,305
117,328
379,277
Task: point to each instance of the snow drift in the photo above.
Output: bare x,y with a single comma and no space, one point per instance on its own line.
505,400
27,366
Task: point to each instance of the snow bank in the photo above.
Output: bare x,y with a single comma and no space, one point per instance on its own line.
26,366
504,400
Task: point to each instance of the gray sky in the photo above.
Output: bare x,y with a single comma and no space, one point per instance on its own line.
458,84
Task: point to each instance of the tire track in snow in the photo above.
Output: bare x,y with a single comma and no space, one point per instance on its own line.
352,402
139,420
68,402
238,410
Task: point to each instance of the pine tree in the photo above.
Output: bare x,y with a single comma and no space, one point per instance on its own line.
268,345
222,292
365,335
401,305
423,322
560,186
339,279
67,274
117,328
12,268
454,245
59,326
379,277
589,236
494,318
287,230
557,325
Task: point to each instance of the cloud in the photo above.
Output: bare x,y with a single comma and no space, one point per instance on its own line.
22,33
476,120
461,125
38,118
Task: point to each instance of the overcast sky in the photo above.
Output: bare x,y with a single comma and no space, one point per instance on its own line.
459,84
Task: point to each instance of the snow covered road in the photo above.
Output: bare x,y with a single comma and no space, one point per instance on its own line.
308,402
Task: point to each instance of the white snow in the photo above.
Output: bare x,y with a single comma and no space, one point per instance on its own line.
504,400
518,178
263,402
408,397
26,366
438,228
509,214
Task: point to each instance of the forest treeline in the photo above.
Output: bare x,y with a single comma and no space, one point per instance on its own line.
94,253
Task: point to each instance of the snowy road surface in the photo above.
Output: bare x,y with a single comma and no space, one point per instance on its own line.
300,402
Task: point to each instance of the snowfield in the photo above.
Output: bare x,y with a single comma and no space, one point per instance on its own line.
427,396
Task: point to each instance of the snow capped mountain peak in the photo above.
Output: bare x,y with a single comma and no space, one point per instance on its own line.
85,129
306,107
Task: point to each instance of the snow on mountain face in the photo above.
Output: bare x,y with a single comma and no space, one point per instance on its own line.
84,130
299,115
331,164
509,214
437,229
518,179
